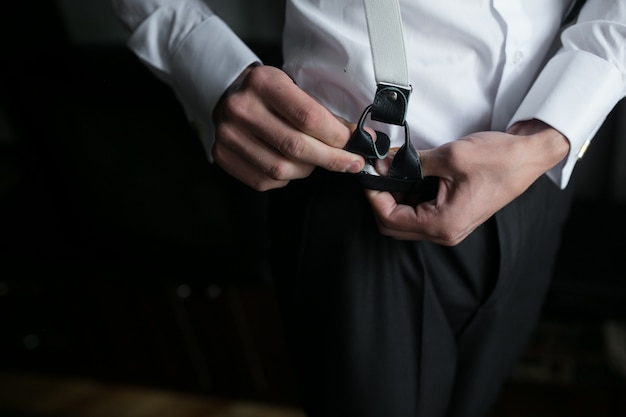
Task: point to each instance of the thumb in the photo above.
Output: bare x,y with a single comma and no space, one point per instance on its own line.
427,162
384,165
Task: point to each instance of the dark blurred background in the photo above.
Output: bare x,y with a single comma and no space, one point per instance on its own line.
126,257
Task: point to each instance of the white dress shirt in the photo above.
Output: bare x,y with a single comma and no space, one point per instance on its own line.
474,64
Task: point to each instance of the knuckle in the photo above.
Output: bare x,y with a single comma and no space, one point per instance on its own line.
224,135
292,147
455,155
278,171
308,117
260,77
446,153
234,107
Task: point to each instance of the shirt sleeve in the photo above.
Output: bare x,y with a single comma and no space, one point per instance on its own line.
191,49
582,83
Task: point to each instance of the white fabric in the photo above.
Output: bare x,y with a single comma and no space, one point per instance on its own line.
384,24
471,62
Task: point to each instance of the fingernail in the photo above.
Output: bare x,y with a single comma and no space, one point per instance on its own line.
354,167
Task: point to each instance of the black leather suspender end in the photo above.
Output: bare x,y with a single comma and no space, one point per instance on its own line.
391,103
390,106
405,174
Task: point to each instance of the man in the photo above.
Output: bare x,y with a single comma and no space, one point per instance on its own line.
396,308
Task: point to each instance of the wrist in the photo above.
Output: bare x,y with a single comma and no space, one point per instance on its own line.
547,146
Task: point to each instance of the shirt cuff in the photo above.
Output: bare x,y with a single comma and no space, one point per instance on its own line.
199,60
574,94
205,65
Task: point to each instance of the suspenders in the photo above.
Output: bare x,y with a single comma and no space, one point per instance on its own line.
389,106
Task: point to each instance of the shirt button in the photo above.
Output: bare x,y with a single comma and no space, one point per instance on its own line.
517,57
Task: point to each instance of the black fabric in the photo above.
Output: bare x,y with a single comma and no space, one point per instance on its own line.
424,189
573,11
382,327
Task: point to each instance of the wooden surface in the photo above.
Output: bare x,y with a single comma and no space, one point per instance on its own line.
43,395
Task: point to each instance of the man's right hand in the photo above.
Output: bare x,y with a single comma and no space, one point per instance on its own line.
268,132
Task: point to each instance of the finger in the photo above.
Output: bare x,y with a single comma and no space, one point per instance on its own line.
239,167
252,151
398,234
428,163
389,212
352,127
400,217
383,166
286,139
303,112
426,221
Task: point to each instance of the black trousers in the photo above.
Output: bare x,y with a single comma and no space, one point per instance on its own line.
382,327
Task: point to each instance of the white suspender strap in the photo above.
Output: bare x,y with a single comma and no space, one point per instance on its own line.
384,24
